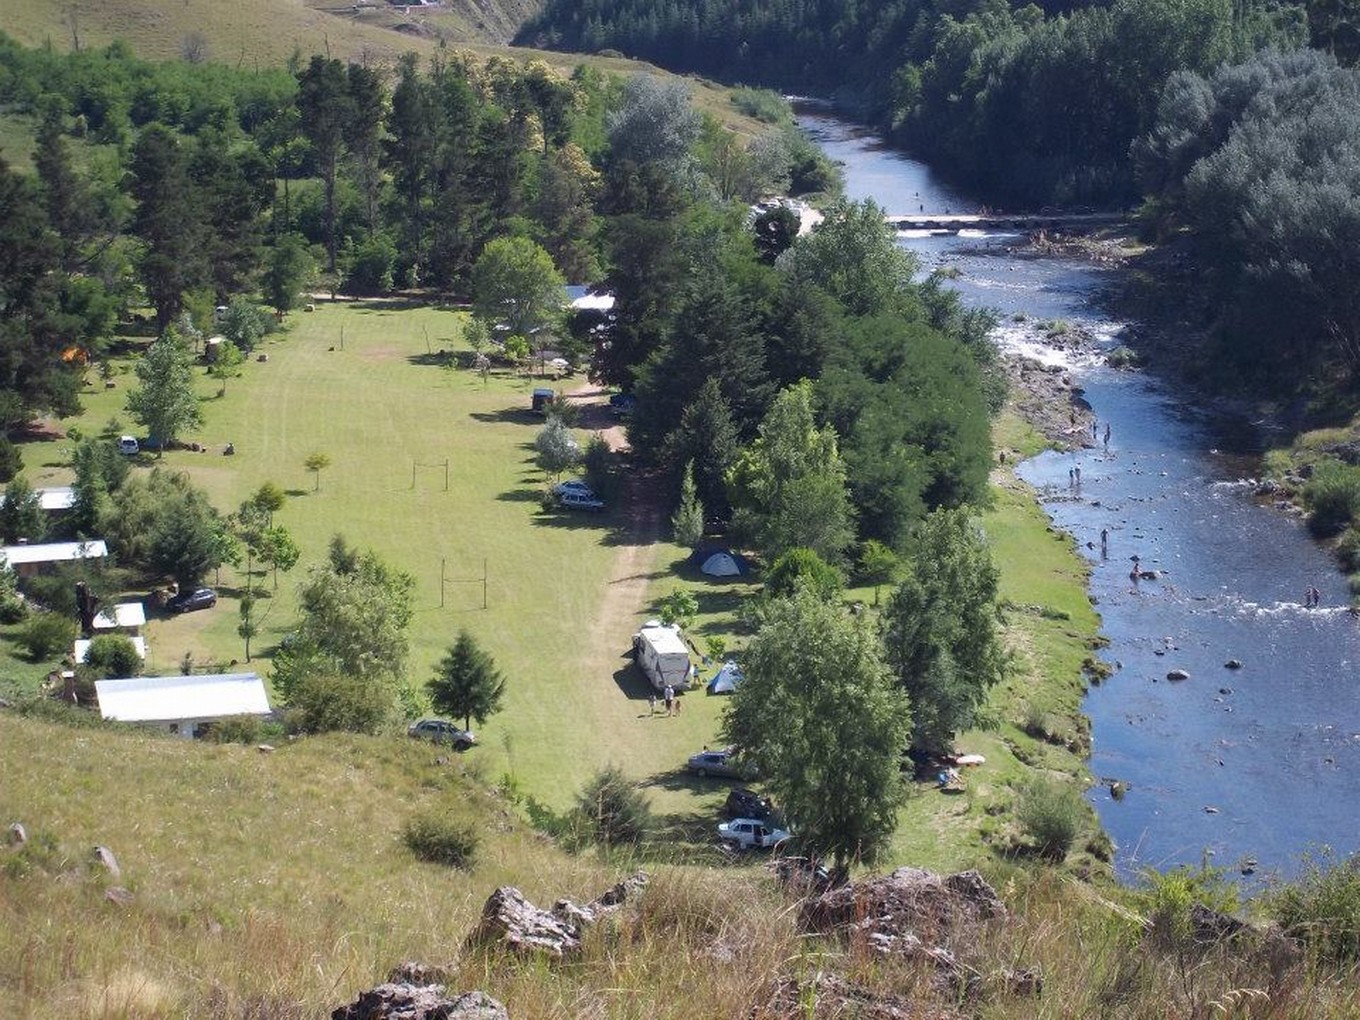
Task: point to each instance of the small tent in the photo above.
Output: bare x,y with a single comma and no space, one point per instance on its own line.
722,564
726,679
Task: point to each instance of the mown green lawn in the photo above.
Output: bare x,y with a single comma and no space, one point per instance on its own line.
378,405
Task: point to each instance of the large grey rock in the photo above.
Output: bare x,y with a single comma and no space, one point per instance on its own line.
510,920
419,1002
908,900
830,997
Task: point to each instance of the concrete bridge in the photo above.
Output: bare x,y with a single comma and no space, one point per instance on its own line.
1006,221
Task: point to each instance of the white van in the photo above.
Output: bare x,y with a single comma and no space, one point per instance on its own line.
128,445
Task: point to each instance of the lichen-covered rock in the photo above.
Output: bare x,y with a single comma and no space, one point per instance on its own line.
908,900
829,997
510,920
403,1001
103,857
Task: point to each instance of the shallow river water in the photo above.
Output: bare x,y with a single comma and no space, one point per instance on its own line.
1258,763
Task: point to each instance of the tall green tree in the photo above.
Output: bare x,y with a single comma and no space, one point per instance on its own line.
687,523
466,685
168,221
940,628
21,513
288,270
515,282
788,488
325,106
821,716
165,402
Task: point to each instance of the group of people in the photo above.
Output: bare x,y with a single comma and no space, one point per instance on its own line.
669,699
1312,598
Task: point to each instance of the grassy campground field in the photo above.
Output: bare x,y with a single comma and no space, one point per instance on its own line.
564,593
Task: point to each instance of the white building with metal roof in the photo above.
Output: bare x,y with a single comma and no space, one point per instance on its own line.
182,704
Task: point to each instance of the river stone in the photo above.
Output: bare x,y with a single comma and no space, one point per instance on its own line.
1233,664
1178,674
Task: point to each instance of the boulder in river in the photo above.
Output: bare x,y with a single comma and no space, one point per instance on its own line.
1233,664
1178,674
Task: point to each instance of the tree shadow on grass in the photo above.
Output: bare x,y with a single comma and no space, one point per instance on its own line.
370,305
298,492
437,359
521,496
509,415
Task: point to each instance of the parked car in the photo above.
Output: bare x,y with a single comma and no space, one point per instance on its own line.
575,485
744,803
194,598
573,500
128,445
721,763
442,732
750,834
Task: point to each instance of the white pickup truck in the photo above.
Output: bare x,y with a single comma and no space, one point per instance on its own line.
750,834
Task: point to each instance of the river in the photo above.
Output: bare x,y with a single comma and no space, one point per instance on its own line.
1233,766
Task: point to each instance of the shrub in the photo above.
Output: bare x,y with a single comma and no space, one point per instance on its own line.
803,567
12,609
433,837
1332,496
1051,813
11,461
113,655
321,703
1348,550
1323,908
764,105
236,729
47,635
613,809
370,265
1168,897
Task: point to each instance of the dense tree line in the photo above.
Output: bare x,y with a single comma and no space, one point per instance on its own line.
1260,161
1028,103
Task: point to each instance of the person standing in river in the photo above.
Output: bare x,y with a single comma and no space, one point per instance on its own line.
1104,543
1107,437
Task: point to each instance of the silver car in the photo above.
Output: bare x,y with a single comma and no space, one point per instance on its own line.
722,763
442,732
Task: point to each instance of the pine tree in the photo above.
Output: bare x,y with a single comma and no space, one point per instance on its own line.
688,520
466,685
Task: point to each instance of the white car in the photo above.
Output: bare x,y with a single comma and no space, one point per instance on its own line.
573,500
128,445
750,834
575,485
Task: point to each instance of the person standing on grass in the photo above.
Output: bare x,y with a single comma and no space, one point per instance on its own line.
677,704
668,696
651,703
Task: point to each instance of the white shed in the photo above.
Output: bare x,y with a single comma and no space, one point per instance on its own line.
181,704
28,560
123,616
56,498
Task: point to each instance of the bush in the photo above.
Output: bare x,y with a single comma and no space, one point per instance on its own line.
1052,814
11,461
613,809
1168,898
113,655
764,105
1332,496
1348,550
1323,908
12,609
47,635
322,703
370,266
433,837
803,567
237,729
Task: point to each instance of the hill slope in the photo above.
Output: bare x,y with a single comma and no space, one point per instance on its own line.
264,32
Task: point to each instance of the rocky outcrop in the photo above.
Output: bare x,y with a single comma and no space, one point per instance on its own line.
403,1001
828,997
511,921
908,900
913,914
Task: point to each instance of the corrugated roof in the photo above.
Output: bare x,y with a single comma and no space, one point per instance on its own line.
168,698
54,552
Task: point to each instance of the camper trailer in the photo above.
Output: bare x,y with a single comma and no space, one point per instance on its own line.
662,655
542,399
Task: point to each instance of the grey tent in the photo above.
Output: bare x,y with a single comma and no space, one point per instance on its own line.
722,564
726,680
